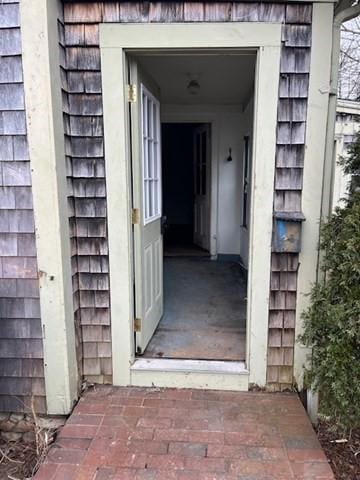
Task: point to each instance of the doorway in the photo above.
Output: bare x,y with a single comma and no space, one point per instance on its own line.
204,299
265,40
186,189
190,304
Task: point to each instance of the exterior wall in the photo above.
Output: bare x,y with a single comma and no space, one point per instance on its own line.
21,348
292,108
347,124
45,134
71,184
85,163
86,160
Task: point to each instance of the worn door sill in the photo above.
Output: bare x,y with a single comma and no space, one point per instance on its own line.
207,374
195,366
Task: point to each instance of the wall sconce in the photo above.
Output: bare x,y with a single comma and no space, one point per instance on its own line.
229,158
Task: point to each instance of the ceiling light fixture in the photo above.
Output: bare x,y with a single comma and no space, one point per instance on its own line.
193,86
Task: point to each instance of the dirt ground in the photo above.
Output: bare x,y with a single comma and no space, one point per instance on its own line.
344,456
17,460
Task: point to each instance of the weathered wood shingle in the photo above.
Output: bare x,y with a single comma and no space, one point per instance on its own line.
21,348
10,41
10,69
87,157
71,200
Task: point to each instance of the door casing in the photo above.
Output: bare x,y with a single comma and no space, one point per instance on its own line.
115,41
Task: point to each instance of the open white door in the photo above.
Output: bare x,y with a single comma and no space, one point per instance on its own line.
147,199
202,186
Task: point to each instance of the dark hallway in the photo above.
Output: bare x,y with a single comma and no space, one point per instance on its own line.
178,189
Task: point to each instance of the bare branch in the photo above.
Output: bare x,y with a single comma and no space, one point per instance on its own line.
354,59
349,61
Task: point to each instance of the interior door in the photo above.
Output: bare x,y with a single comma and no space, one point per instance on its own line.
202,186
147,199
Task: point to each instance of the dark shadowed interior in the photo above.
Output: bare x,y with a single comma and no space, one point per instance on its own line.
178,183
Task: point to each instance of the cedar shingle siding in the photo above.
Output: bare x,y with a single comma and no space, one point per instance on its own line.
86,158
21,358
21,349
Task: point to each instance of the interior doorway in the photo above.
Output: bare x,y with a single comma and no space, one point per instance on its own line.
191,183
186,189
204,299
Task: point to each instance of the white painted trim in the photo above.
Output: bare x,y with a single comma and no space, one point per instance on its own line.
46,144
169,36
114,40
190,374
340,180
315,145
351,107
118,184
199,380
155,101
261,210
196,366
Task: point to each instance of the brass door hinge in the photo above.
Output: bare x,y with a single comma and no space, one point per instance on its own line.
132,93
135,216
137,324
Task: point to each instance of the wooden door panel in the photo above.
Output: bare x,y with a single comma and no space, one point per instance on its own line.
146,163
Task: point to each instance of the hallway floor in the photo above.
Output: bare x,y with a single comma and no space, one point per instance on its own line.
204,311
184,250
167,434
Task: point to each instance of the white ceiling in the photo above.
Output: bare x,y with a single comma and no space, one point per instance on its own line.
224,79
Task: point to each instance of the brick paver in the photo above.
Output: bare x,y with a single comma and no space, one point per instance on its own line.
154,434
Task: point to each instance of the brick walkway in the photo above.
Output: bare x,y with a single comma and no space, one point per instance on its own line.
139,433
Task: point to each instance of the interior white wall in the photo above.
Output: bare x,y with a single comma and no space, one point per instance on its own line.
229,183
229,125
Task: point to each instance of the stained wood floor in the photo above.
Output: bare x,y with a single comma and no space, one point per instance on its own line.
204,311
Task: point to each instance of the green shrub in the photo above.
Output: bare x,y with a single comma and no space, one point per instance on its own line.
332,321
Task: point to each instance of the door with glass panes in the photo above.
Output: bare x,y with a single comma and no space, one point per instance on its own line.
147,200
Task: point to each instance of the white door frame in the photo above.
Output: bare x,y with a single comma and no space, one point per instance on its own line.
115,40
